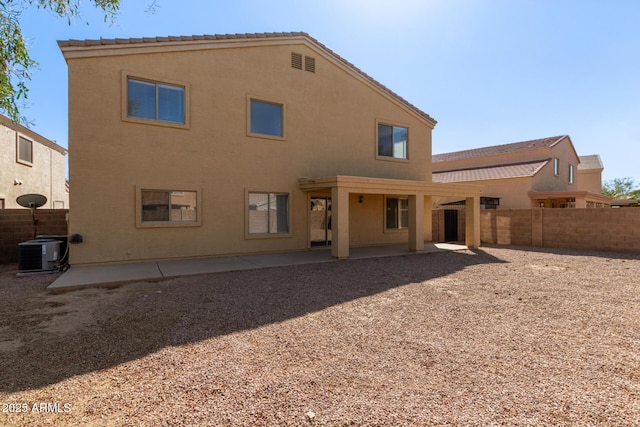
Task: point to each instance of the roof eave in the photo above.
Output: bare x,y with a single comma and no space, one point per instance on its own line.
17,127
73,49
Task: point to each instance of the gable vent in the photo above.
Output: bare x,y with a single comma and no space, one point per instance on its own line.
309,64
296,60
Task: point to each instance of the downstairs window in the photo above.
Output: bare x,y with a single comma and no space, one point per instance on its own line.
397,213
268,213
164,206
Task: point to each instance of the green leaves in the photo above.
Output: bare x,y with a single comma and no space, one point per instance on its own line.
15,62
621,188
71,8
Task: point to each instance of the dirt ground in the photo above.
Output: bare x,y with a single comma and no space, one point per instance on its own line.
496,336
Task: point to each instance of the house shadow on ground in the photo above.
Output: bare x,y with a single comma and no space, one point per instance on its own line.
139,319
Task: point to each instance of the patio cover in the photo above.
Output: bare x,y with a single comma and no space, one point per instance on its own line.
419,194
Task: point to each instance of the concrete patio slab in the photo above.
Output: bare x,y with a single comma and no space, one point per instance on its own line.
115,274
291,258
78,277
185,267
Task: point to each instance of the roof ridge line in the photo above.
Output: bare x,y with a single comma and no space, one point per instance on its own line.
490,150
495,166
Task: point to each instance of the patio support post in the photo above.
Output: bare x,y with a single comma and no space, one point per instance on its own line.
340,223
428,219
416,222
472,226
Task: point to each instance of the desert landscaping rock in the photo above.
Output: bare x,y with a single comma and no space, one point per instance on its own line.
496,336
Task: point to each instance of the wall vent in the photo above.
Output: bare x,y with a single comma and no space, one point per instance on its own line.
310,64
296,60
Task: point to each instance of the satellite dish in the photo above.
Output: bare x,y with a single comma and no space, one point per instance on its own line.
33,202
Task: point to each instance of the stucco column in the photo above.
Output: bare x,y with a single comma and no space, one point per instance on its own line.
428,219
416,222
581,202
339,223
472,226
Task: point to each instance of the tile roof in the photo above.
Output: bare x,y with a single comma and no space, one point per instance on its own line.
204,37
64,44
590,162
495,150
515,170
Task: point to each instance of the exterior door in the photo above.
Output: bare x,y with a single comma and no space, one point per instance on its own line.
451,225
320,222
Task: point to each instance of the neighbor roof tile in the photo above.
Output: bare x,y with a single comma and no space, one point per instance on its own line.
495,150
516,170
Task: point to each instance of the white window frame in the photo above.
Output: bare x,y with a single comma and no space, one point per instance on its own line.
572,176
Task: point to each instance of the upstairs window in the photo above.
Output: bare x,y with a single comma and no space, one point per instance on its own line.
155,101
393,141
571,175
24,150
556,166
266,118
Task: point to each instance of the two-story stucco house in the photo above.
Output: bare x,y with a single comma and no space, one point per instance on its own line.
30,163
229,144
544,173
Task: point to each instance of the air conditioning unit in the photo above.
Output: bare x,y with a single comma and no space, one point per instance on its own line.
40,255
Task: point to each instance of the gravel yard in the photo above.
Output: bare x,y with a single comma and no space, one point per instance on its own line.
497,336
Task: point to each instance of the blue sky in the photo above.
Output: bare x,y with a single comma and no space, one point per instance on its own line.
489,71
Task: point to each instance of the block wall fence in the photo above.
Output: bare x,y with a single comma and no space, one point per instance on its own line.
615,230
16,226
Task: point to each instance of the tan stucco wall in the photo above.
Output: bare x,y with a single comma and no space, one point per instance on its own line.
513,193
46,174
330,130
546,180
590,180
366,222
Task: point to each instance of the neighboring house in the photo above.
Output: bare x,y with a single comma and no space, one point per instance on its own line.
538,173
30,163
590,174
230,144
625,203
